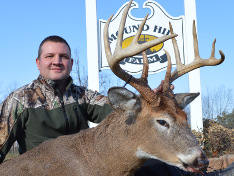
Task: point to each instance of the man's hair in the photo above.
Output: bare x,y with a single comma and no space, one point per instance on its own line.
52,38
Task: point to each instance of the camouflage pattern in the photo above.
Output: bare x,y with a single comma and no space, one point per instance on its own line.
41,94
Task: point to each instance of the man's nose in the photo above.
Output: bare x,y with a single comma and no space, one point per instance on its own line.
57,60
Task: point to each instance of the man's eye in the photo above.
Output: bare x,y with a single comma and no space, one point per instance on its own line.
65,57
48,56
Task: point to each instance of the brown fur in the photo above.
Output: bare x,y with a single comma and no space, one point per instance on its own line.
90,150
110,148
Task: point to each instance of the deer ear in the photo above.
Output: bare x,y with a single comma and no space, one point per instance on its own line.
183,99
123,100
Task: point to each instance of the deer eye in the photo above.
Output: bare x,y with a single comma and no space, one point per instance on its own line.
163,123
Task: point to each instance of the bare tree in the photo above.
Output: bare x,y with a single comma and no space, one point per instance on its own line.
4,92
217,101
104,83
11,87
80,75
79,72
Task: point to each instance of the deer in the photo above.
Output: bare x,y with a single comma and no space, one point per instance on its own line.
145,126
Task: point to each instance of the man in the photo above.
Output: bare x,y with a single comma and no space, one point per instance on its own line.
52,105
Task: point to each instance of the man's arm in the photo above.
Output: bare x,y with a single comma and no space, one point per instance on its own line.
10,109
97,106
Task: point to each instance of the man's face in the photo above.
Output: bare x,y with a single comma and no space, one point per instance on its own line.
55,62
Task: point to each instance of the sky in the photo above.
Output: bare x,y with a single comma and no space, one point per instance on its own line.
25,23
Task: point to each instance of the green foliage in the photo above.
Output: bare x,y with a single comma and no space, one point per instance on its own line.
226,119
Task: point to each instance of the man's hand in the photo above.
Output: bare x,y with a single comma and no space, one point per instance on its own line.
160,87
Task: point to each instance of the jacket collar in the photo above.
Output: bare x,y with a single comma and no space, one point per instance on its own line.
51,85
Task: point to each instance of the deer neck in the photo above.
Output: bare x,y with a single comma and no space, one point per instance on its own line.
115,138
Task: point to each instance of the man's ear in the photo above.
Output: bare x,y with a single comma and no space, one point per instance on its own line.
72,63
38,63
183,99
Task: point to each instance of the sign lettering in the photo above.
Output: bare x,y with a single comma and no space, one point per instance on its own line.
157,25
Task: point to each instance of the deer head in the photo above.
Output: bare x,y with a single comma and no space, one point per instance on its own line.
165,133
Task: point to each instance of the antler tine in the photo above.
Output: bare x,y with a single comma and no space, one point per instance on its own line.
121,27
197,62
167,82
142,84
176,50
144,75
138,34
106,34
134,48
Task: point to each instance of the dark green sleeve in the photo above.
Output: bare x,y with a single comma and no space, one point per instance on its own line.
97,113
97,106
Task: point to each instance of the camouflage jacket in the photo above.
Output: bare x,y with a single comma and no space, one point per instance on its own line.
37,112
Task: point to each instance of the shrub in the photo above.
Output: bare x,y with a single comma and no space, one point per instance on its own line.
215,139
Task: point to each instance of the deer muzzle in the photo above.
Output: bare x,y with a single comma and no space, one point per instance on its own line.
194,160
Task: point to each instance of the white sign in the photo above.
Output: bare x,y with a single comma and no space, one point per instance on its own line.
157,25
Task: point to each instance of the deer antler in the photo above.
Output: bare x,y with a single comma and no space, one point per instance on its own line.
198,62
141,84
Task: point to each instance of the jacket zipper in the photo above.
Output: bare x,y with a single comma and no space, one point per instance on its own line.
65,115
77,115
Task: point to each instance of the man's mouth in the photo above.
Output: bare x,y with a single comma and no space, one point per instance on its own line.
57,69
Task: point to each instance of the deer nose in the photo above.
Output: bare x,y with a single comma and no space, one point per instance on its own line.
204,162
201,162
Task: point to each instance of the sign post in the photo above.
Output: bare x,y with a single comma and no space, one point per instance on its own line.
194,76
92,44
